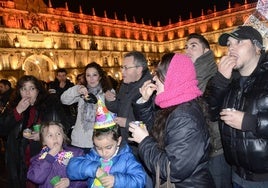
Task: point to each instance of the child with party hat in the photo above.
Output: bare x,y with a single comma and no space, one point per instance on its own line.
110,163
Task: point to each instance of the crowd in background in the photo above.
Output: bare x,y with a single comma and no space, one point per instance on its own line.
203,122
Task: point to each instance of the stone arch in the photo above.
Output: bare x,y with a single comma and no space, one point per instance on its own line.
41,66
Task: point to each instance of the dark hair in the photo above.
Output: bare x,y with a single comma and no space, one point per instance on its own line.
163,66
45,125
45,84
139,59
104,81
61,70
113,130
162,115
42,92
79,75
5,82
201,39
114,82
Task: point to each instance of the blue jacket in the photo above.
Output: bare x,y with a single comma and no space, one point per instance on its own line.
127,171
44,167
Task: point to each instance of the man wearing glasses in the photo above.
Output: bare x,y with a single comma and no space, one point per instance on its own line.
134,73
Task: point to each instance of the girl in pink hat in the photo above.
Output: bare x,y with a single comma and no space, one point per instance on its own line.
179,135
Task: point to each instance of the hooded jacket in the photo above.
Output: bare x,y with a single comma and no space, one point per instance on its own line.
127,171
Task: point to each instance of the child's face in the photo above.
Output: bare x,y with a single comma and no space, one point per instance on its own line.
106,146
53,135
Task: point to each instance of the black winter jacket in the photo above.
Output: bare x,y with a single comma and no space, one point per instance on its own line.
49,110
247,149
122,106
186,146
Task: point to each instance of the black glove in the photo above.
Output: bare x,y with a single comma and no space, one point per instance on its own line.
90,98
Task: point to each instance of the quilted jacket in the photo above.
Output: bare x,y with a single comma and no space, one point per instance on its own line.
247,149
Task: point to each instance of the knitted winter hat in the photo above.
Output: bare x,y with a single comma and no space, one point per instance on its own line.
104,118
180,83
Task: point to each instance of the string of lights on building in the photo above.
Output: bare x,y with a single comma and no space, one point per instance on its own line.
37,39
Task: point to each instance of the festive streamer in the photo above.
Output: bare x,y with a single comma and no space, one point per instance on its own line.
259,18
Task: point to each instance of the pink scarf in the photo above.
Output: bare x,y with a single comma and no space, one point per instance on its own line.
180,83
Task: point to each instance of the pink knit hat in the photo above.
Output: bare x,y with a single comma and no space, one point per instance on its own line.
180,83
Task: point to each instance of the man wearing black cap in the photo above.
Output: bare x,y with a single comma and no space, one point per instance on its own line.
238,99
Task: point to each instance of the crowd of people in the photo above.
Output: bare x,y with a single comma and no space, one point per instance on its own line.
193,123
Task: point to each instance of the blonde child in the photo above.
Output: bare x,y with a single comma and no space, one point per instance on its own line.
53,158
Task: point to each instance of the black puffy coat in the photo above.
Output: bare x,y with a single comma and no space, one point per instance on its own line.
247,149
186,146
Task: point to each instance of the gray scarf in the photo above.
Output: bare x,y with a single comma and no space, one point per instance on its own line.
205,67
89,112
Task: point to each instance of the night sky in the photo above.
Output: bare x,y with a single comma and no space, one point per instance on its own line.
157,10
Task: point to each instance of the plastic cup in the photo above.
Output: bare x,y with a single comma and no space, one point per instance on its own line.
36,128
55,180
52,91
27,133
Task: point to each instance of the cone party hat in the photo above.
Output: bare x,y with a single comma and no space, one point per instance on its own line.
104,118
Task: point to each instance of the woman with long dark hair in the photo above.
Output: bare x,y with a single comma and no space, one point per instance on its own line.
30,104
179,135
86,95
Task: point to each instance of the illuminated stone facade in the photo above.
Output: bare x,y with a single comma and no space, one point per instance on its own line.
37,39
